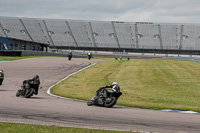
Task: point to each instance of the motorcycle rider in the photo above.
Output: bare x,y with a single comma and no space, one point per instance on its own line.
115,88
89,55
34,82
1,76
69,55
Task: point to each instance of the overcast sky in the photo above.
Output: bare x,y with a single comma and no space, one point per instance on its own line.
167,11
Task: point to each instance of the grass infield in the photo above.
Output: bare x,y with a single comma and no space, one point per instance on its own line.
24,128
152,84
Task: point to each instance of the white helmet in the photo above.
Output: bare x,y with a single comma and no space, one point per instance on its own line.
114,83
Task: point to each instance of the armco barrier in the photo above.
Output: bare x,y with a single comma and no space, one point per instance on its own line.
10,53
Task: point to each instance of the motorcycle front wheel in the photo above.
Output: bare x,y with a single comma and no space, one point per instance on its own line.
91,102
17,94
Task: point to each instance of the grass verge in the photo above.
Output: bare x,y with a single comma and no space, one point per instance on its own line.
152,84
24,128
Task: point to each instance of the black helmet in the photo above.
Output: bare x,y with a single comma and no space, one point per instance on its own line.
36,76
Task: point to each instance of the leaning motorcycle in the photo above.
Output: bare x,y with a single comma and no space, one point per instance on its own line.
27,89
1,77
108,102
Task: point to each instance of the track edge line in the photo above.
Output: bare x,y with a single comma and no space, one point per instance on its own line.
49,89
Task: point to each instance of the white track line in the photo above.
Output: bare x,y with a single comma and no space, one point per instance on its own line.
180,111
49,89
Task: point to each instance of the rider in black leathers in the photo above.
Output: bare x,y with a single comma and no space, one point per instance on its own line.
114,86
70,55
34,82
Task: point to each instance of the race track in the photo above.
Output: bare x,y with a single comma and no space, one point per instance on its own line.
48,110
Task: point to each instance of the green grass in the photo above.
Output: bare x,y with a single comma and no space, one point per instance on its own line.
152,84
23,128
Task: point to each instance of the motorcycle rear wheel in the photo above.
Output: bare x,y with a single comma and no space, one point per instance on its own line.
111,102
29,93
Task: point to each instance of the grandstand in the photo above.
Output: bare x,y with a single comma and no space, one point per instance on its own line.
101,35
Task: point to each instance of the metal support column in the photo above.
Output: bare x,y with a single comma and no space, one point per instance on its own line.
92,34
115,34
136,36
71,33
48,33
181,37
160,36
3,30
26,30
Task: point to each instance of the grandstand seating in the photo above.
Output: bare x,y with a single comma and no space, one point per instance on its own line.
191,38
124,35
101,34
170,38
106,37
60,33
150,36
2,34
35,30
81,33
14,28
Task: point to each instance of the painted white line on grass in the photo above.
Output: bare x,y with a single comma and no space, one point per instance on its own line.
180,111
49,89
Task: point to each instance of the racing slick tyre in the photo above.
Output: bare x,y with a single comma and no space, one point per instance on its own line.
29,93
110,102
91,102
17,94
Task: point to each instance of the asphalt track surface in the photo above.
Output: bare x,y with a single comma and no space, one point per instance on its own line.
44,109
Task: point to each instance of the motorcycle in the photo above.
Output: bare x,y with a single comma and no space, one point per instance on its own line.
89,56
107,102
1,77
27,89
69,57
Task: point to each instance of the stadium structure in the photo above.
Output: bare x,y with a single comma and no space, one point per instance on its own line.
39,34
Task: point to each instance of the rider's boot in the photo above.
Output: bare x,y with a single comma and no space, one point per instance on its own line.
36,91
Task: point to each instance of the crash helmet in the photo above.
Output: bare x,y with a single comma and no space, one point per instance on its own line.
36,80
36,77
114,83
